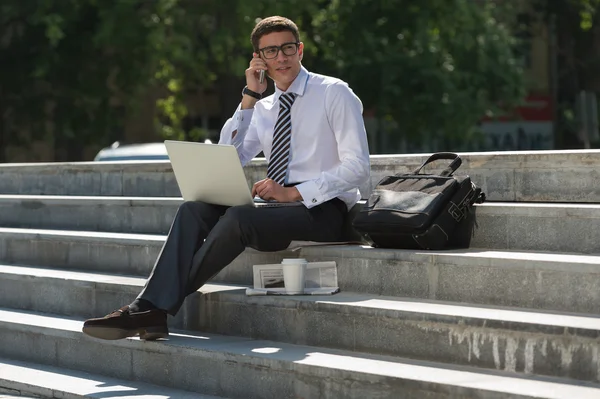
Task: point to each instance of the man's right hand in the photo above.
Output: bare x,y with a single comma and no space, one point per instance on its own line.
256,65
269,190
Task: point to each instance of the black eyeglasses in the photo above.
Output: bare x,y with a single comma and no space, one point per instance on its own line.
273,51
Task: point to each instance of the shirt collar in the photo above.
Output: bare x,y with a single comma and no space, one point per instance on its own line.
298,85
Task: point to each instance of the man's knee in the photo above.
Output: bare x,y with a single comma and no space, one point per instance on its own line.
198,208
245,223
236,219
190,206
236,214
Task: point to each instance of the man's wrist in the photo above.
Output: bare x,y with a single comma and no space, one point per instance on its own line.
249,98
247,92
248,102
294,194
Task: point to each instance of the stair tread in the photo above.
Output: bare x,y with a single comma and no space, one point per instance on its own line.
271,353
88,198
81,234
553,260
37,379
109,200
342,302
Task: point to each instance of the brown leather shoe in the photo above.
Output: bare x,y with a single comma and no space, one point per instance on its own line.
150,325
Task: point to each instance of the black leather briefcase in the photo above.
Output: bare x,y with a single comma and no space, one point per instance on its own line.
422,211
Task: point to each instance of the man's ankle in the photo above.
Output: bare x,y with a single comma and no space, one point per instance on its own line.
141,305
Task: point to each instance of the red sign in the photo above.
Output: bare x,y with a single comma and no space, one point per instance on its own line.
537,108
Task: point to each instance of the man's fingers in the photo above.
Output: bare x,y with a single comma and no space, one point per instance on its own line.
256,186
257,189
263,191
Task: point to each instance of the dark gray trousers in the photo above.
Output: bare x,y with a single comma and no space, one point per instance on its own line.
205,238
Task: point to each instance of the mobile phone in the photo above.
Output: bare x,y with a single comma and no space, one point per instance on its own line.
261,76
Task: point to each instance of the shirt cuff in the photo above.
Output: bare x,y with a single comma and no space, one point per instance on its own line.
243,118
240,121
311,196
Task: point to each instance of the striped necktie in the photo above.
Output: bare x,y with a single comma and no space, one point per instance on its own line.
280,151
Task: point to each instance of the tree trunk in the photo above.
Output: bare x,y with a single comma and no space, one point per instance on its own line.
2,130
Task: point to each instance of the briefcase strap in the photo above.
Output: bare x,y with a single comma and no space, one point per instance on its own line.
455,164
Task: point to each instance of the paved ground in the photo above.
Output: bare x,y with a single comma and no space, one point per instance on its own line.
3,396
10,394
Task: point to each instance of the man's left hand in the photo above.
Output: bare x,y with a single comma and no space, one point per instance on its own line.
269,190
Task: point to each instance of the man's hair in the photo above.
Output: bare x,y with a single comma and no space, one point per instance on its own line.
270,25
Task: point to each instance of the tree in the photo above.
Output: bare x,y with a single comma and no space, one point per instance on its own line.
216,53
75,70
74,67
435,68
78,68
576,28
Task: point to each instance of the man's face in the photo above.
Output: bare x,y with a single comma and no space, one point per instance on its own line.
283,69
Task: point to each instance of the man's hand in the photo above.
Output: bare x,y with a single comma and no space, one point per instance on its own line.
269,190
257,64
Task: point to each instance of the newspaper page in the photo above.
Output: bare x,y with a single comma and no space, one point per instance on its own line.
321,279
298,245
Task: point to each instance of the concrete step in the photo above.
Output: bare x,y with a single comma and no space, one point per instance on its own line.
527,341
132,254
519,226
13,396
521,176
538,227
24,378
143,215
544,176
245,368
130,178
564,282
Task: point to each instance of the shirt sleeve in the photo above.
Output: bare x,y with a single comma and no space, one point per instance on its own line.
240,131
344,112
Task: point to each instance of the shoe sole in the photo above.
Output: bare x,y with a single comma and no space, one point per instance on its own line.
111,334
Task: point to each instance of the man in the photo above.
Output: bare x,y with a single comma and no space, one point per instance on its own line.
312,133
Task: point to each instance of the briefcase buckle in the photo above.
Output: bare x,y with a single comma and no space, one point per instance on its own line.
456,212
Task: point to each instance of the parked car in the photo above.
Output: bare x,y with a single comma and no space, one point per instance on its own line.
133,152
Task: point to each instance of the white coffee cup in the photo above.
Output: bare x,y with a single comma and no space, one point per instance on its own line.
294,275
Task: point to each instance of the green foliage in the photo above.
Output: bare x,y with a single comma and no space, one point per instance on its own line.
433,67
587,11
74,66
78,68
576,28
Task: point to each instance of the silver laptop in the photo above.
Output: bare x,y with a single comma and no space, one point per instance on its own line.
212,173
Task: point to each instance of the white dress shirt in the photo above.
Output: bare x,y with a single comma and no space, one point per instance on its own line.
329,153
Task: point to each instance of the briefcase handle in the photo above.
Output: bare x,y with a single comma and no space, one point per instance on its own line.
455,164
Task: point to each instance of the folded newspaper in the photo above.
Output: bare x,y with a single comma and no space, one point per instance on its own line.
321,279
298,245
